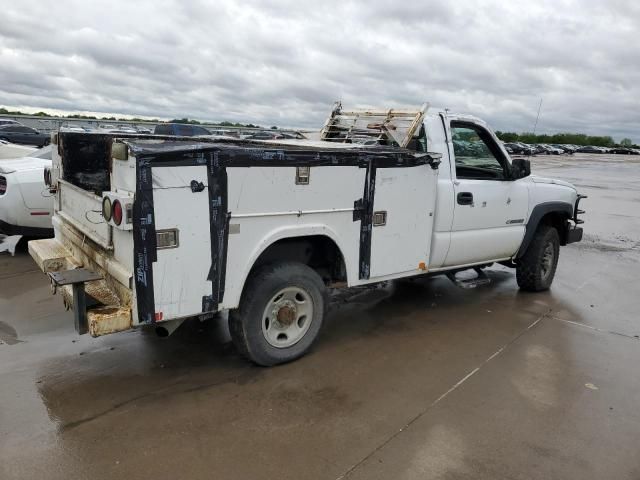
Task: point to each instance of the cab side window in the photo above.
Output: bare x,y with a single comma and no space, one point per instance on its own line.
419,143
477,155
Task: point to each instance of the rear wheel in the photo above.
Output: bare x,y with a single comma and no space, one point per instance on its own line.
537,267
281,312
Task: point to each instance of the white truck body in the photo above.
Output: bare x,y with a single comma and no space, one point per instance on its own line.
200,216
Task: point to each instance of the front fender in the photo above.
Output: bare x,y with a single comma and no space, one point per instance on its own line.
565,209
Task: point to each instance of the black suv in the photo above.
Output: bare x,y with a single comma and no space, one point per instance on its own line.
24,135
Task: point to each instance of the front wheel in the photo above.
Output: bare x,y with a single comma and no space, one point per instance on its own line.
537,267
281,312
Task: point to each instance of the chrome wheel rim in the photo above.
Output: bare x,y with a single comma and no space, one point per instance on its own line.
287,317
548,256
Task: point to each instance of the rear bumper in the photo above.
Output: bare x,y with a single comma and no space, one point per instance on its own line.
97,307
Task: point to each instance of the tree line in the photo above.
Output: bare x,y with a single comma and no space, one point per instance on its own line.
563,138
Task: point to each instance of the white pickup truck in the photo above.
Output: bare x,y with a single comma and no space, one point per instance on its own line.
152,230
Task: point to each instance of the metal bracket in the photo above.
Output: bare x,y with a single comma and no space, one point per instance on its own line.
76,278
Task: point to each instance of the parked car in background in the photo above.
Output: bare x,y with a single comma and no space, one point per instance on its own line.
142,129
624,151
519,148
589,149
274,135
181,130
4,121
24,135
550,149
70,127
564,148
117,129
513,147
527,149
26,206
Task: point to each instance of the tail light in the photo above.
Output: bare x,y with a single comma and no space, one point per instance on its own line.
3,185
116,212
106,208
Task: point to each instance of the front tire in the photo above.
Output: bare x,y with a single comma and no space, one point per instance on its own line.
280,315
537,267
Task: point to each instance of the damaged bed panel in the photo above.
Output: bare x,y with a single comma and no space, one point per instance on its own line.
86,160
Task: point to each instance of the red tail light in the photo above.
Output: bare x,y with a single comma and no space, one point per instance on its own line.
3,185
117,212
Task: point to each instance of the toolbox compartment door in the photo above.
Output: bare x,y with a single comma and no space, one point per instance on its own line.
181,270
406,198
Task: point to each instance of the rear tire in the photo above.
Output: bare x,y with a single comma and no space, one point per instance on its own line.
280,315
537,267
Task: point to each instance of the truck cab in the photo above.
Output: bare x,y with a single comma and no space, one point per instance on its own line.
153,230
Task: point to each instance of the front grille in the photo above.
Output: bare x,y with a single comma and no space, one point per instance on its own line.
3,185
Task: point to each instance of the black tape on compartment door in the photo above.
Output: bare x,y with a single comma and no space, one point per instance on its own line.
144,241
366,220
219,230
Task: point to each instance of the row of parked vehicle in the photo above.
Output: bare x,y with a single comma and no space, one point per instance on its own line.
14,132
519,148
188,130
26,208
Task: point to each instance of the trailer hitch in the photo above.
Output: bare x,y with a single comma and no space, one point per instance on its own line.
76,278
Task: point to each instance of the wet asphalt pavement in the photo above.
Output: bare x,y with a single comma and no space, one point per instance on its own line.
411,379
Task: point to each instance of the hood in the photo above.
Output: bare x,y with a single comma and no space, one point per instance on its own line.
553,181
12,150
23,164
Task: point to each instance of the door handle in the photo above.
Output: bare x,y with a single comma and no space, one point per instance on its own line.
465,198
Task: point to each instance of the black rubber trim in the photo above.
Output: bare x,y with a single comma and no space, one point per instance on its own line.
219,230
9,229
366,221
144,241
538,212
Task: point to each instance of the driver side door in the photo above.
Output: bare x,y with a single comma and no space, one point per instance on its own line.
489,207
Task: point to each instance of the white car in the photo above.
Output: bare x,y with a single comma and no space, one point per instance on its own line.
26,206
14,150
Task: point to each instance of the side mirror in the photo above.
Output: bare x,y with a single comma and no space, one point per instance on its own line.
520,168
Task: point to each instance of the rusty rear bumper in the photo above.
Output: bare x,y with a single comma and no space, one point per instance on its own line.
99,308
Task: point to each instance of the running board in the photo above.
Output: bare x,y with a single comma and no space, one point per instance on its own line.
481,279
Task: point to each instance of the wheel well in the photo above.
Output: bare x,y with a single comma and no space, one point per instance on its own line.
317,251
557,220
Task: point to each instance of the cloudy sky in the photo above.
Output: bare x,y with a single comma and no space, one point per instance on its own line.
285,62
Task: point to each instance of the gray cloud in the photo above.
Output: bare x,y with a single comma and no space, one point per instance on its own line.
286,62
